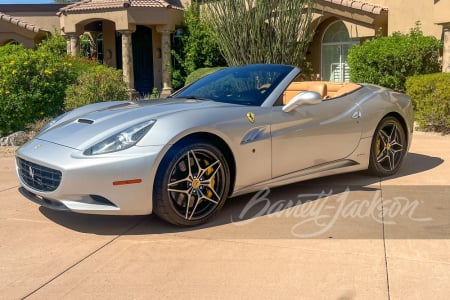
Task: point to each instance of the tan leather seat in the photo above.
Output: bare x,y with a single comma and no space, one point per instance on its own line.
302,86
327,89
347,88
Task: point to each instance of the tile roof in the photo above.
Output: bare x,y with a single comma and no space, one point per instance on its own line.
360,5
87,5
20,23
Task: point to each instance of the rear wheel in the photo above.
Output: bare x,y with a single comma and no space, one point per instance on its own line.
191,184
388,147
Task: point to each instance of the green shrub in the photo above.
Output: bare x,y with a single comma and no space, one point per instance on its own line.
34,83
430,95
97,84
197,74
194,48
32,86
388,61
55,44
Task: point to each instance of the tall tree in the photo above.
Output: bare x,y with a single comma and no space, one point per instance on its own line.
261,31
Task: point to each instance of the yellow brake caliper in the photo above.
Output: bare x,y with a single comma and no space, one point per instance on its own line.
378,146
209,171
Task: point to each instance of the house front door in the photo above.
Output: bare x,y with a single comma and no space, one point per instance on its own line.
143,60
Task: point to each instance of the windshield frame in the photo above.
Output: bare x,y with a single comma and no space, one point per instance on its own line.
279,75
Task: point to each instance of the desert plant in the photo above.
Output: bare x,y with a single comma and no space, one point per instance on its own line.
388,61
261,31
430,95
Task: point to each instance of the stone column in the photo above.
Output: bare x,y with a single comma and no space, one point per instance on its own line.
127,62
446,53
166,63
68,50
74,44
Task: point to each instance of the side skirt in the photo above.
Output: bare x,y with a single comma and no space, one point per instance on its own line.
357,161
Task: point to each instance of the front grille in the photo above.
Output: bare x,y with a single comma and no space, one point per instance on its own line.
38,177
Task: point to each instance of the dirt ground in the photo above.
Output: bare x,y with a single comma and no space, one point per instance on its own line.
7,151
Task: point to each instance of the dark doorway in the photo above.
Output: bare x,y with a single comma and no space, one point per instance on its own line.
143,60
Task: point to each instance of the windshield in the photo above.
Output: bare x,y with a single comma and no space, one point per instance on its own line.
245,85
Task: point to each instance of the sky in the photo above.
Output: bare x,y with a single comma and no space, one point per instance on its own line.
25,1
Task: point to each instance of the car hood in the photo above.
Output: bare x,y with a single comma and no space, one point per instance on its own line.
90,124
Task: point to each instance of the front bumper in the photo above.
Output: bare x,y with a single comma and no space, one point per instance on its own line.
119,183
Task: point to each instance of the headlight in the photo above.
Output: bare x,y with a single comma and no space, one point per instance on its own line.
122,140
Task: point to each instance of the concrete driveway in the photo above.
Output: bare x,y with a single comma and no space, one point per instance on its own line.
342,237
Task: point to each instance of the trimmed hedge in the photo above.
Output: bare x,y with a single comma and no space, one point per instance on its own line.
388,61
430,95
197,74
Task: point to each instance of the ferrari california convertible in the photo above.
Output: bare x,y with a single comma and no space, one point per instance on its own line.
235,131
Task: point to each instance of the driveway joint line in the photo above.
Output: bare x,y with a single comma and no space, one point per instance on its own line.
83,259
384,241
8,189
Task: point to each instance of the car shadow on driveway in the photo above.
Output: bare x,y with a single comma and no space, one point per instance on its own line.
251,207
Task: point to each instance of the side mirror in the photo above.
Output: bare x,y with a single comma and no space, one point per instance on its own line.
303,98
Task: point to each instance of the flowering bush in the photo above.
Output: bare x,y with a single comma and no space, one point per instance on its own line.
32,85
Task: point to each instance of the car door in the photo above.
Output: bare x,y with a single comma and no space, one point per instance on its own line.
313,135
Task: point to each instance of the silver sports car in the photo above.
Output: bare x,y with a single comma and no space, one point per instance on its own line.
232,132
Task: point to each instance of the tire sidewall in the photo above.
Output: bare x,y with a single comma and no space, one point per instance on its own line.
162,205
375,167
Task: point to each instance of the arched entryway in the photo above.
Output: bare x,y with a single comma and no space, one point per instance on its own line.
336,43
137,38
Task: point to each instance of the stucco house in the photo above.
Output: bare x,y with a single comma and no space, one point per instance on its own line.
135,35
340,24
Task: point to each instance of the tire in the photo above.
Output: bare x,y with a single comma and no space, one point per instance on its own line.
388,148
191,185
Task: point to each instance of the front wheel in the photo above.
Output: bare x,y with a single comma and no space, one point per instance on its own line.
191,185
389,146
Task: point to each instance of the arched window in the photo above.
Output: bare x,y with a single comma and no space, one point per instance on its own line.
336,43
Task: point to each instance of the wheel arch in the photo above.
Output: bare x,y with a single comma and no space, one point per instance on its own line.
402,121
376,167
215,140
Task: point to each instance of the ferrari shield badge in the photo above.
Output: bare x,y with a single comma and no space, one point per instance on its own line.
251,117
